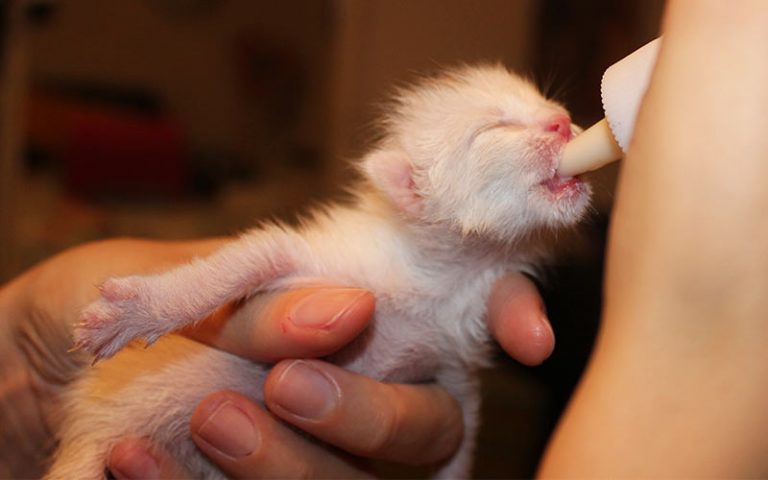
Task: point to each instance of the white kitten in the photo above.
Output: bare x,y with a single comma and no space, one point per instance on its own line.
461,189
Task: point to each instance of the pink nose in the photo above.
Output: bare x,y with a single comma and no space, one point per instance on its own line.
561,125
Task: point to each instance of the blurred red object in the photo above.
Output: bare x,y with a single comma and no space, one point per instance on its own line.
110,151
123,154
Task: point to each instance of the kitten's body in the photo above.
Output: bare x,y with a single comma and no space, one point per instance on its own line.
461,190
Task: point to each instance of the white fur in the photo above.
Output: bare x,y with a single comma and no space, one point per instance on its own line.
454,197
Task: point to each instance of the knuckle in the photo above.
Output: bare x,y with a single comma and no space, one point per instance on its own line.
444,429
449,440
414,429
268,462
386,431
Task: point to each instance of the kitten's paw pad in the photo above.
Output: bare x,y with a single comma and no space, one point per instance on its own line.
109,324
116,289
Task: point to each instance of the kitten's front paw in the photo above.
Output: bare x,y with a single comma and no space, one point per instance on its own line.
121,314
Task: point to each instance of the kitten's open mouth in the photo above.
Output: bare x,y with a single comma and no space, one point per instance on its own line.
561,186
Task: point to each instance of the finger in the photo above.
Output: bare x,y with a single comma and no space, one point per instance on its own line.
412,424
246,442
306,322
137,459
517,319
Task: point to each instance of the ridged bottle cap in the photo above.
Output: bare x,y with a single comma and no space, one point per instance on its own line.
623,87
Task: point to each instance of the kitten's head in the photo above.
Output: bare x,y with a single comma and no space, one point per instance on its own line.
477,149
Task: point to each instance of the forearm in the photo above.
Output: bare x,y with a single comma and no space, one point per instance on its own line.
679,379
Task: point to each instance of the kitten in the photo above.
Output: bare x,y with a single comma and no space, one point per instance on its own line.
461,189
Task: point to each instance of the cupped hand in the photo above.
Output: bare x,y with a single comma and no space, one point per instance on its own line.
407,424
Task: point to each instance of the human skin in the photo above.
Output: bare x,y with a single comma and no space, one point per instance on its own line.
413,424
678,382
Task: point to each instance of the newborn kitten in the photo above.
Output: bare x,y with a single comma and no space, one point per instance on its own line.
460,190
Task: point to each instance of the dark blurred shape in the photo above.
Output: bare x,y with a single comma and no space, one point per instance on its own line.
12,92
3,32
108,141
272,82
579,39
123,154
122,97
184,8
40,12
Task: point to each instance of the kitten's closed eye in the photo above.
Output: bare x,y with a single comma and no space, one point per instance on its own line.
558,123
498,125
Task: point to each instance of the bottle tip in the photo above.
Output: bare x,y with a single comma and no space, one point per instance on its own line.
589,151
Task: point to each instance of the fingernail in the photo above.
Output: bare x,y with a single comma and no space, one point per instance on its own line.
306,391
230,431
324,307
131,460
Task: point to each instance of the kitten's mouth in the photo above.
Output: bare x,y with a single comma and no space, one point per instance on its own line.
558,187
563,186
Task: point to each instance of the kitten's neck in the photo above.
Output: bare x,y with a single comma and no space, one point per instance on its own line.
431,240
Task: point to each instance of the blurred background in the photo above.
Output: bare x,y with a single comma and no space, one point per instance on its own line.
177,119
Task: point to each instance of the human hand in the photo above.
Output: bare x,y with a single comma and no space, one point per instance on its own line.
38,308
409,424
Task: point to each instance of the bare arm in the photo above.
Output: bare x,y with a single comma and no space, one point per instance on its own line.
679,380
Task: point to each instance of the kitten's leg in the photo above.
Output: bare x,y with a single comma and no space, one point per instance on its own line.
152,305
466,389
146,394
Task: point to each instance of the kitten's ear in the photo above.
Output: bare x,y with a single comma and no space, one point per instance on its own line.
392,172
